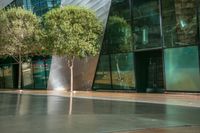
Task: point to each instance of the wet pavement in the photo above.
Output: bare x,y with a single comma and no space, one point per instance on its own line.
25,113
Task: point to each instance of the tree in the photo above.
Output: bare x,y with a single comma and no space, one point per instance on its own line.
73,32
19,35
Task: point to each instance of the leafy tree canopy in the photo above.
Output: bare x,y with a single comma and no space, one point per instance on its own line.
72,31
19,32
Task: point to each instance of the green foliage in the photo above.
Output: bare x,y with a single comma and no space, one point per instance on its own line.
19,32
72,31
118,35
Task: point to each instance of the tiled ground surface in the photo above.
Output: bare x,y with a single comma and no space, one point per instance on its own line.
183,99
98,112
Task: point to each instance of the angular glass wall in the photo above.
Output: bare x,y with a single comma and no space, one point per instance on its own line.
102,77
179,22
146,24
182,69
116,59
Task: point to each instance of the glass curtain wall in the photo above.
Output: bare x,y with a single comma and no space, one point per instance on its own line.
115,68
6,76
1,78
182,69
146,24
41,70
198,22
39,7
27,74
179,22
34,74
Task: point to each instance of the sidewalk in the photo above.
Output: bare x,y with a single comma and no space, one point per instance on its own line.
182,99
51,114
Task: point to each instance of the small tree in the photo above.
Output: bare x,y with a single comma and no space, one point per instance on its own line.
19,35
73,32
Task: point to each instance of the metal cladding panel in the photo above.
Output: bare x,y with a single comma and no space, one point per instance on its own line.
4,3
84,70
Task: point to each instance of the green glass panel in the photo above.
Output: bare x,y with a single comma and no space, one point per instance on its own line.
8,76
27,75
102,77
199,22
1,78
39,74
39,7
47,67
179,22
123,71
182,69
118,31
146,24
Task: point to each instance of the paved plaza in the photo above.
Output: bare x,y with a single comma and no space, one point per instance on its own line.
98,112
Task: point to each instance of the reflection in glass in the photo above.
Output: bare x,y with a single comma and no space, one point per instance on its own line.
146,24
182,69
47,68
39,74
198,23
8,76
122,71
179,22
118,36
102,77
115,67
27,75
39,7
1,78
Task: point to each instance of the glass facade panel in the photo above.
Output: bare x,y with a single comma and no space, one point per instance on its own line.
115,68
27,75
122,71
182,69
179,22
1,78
118,36
39,74
8,76
198,33
146,24
39,7
102,77
47,68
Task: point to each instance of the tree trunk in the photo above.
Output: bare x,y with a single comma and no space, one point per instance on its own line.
72,74
20,72
70,103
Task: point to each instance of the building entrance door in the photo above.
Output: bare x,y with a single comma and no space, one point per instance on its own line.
155,75
149,71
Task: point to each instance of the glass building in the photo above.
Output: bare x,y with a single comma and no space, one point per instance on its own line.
148,46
